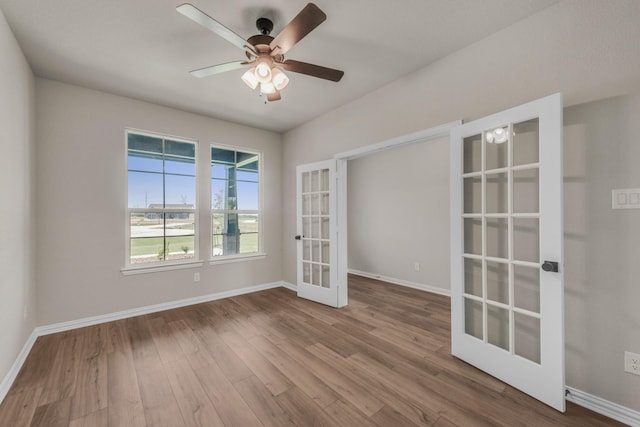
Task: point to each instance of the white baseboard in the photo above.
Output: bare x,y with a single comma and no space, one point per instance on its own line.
604,407
290,286
94,320
8,380
10,377
408,284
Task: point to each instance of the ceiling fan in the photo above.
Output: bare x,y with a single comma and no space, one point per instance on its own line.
266,53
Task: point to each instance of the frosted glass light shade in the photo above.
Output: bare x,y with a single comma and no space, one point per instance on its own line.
267,88
249,77
279,79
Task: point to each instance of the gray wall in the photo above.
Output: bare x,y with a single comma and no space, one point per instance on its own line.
398,214
81,182
17,291
602,247
559,43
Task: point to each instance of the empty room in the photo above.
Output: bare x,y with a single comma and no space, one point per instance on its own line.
281,213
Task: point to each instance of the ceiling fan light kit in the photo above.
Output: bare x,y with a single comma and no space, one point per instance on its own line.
266,53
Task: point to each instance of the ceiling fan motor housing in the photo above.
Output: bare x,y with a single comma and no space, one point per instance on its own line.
264,25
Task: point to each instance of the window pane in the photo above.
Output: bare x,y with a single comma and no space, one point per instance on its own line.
473,195
473,277
147,236
473,318
473,236
222,155
145,190
525,142
247,193
180,191
496,193
147,164
180,157
219,171
496,152
242,175
226,234
527,337
498,282
498,326
248,243
497,232
180,247
218,191
235,187
179,166
472,153
161,175
144,146
247,160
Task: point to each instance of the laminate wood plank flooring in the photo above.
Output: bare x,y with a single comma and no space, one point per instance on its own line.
272,359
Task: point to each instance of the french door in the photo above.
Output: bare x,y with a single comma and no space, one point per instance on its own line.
507,296
317,232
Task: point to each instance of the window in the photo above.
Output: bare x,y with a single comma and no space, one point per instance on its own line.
235,211
162,199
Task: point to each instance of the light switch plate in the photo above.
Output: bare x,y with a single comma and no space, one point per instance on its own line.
625,198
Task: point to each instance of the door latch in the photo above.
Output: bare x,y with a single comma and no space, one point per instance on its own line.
550,266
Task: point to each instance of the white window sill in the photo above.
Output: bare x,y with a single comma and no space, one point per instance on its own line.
236,258
128,271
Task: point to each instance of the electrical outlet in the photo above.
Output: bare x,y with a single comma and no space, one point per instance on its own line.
632,363
416,266
196,277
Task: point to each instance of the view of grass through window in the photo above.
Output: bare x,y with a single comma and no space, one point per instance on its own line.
162,189
235,215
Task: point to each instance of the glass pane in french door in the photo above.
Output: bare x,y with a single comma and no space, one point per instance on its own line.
502,239
315,235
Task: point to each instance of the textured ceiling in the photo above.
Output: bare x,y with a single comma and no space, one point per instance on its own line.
144,49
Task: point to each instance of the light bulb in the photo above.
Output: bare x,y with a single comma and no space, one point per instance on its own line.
279,79
263,72
249,77
500,135
267,88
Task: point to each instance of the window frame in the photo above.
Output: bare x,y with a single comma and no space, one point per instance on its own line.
260,253
160,265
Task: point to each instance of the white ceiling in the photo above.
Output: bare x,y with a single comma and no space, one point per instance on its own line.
144,48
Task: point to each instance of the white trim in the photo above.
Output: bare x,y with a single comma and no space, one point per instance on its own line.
103,318
420,136
128,271
406,283
604,407
8,379
127,229
259,211
236,258
289,286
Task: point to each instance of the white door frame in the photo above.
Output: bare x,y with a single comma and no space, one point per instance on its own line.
341,189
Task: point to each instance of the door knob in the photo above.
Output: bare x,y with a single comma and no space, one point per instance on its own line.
551,266
298,237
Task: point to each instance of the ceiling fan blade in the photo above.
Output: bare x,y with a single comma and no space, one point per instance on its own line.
312,70
275,96
308,19
220,68
199,17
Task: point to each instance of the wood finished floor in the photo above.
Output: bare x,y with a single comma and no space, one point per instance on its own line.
271,359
